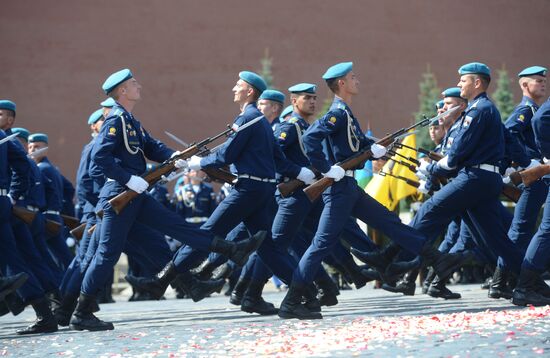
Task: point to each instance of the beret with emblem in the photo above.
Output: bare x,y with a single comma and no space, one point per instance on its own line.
38,137
533,71
338,70
7,104
108,103
254,80
273,95
115,79
96,116
303,88
21,133
474,68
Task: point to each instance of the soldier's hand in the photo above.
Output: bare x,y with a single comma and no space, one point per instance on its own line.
534,163
423,167
181,164
137,184
422,187
336,172
306,175
194,163
444,163
377,150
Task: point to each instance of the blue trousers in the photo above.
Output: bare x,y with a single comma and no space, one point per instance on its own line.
342,200
115,228
537,255
11,262
474,192
57,244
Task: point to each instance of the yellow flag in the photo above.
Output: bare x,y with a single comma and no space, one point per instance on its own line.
402,189
380,187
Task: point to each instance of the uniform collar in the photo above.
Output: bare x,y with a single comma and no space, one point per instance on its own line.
298,117
526,101
338,103
248,106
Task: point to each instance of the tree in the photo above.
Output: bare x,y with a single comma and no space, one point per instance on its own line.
429,95
503,96
265,72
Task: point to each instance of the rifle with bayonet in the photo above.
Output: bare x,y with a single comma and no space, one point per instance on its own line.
316,189
119,202
406,180
27,216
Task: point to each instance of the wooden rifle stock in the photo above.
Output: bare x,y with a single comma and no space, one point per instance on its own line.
27,216
92,229
511,192
287,188
78,231
70,221
220,175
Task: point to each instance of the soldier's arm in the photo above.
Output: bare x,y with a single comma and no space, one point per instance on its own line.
314,136
18,162
232,148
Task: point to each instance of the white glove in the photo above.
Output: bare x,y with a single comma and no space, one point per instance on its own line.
534,163
377,150
421,175
545,160
137,184
509,171
443,163
423,167
170,176
181,164
194,163
506,179
422,187
336,172
306,175
12,200
177,152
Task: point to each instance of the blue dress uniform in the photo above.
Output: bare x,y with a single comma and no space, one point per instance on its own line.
532,197
475,152
196,202
333,138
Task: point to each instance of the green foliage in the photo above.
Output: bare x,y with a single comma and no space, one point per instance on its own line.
265,71
503,96
429,95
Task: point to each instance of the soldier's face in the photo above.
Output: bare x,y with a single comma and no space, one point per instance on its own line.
467,86
351,83
33,147
537,86
241,91
305,103
132,90
450,102
6,119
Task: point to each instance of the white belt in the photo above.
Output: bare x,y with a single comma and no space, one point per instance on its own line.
3,192
487,167
265,180
109,179
350,173
196,219
53,212
32,208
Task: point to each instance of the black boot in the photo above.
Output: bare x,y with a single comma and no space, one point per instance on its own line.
311,302
11,283
541,287
239,251
237,294
327,292
498,288
83,318
438,289
224,271
15,304
292,306
525,294
358,276
65,310
205,270
4,310
378,259
253,302
195,288
45,321
406,285
428,280
156,285
443,264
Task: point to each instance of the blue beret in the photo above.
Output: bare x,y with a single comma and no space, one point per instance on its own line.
303,87
439,105
38,137
288,110
254,80
451,92
273,95
338,70
7,104
21,133
474,68
96,116
115,79
108,103
533,71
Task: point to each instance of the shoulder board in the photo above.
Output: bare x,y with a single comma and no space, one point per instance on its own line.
292,120
475,104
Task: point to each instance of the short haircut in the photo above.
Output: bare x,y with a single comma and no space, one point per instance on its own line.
485,80
10,112
332,83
